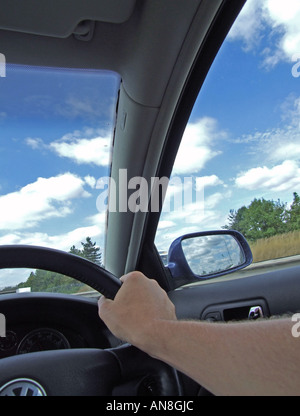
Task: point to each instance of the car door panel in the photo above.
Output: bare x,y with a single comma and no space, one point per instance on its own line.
277,292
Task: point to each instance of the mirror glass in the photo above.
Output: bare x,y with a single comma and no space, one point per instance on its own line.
210,254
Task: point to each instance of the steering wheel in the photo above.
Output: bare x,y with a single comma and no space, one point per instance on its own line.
78,372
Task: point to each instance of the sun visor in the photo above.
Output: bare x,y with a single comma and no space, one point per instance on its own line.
57,18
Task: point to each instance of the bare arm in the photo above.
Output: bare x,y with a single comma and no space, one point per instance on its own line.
255,358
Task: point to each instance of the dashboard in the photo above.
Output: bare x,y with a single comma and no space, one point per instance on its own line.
41,321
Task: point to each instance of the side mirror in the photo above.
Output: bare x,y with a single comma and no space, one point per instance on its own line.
204,255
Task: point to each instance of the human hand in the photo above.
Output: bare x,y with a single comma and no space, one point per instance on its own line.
138,305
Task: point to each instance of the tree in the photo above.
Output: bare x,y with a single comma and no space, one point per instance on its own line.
45,281
293,215
76,251
237,220
91,252
261,219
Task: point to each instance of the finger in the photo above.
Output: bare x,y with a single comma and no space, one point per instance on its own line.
129,276
133,276
103,302
124,278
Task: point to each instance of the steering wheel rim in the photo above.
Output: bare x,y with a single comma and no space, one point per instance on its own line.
86,371
25,256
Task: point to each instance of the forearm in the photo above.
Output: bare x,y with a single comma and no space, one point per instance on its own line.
258,358
247,358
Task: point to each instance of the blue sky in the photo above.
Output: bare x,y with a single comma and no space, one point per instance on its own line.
56,129
242,140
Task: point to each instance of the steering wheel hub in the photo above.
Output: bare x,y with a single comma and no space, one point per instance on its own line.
22,387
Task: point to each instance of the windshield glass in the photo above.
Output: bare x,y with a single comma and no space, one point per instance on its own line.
239,162
55,143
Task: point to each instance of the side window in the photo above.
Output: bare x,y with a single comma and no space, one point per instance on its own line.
240,153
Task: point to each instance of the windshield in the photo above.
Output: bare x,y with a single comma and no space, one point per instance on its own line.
55,143
238,165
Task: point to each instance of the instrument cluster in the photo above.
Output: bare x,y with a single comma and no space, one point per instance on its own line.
17,341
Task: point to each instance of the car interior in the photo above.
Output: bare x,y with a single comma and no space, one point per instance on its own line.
161,51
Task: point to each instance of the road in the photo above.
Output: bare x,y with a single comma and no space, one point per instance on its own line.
270,265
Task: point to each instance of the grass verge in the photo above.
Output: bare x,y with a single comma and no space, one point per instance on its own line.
282,245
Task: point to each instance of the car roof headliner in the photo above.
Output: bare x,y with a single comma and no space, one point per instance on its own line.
140,40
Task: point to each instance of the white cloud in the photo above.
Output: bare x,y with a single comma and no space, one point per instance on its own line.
42,199
95,229
277,145
285,16
89,106
34,143
287,151
193,217
214,200
281,17
188,193
197,146
162,225
90,180
204,181
74,107
283,12
91,146
249,24
96,150
179,223
197,211
279,178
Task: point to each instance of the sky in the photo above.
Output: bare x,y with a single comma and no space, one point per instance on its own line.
55,143
241,142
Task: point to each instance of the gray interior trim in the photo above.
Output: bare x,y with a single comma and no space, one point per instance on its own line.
44,18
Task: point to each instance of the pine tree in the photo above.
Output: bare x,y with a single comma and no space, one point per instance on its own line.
91,252
76,251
